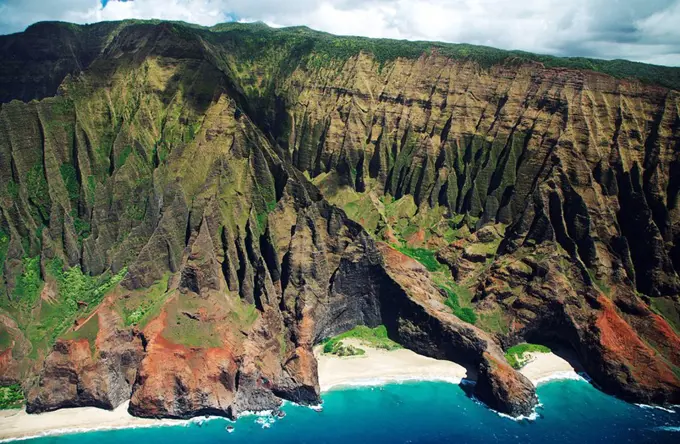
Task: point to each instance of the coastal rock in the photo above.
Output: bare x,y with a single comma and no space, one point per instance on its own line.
430,329
503,389
78,373
628,350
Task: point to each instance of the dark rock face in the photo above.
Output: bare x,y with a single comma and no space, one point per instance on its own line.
38,60
502,389
156,151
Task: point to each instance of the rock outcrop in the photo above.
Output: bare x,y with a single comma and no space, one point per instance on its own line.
416,314
77,373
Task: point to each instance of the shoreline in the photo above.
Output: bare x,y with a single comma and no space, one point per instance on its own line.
374,368
378,367
17,425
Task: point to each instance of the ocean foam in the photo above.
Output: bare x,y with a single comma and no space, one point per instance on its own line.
74,430
657,407
561,376
668,428
197,420
265,422
531,417
200,420
255,413
315,407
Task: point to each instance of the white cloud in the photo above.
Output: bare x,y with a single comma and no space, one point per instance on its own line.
644,30
15,15
202,12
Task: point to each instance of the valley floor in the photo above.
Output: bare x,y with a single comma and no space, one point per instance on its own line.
375,367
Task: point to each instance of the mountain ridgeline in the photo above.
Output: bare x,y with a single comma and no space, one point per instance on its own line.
186,211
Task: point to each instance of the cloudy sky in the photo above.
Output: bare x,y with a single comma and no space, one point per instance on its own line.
643,30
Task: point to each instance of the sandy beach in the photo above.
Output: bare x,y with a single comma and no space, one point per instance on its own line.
17,423
545,367
380,366
373,368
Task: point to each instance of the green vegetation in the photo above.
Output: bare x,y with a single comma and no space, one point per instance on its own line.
371,337
11,396
493,321
70,177
82,228
319,49
424,256
28,283
61,107
191,130
262,217
515,354
466,314
406,219
134,317
38,191
261,220
600,284
187,324
245,314
142,305
123,155
193,333
13,189
135,211
5,339
667,309
91,189
300,41
4,245
87,331
339,349
486,249
72,295
78,294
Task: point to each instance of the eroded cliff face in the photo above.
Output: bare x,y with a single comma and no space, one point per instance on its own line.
165,234
601,152
577,169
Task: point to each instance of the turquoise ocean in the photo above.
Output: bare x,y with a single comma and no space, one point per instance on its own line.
571,411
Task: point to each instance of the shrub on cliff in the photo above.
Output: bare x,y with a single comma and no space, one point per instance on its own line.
515,354
11,396
466,314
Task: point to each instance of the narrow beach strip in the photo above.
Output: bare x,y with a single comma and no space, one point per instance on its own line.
375,367
17,424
